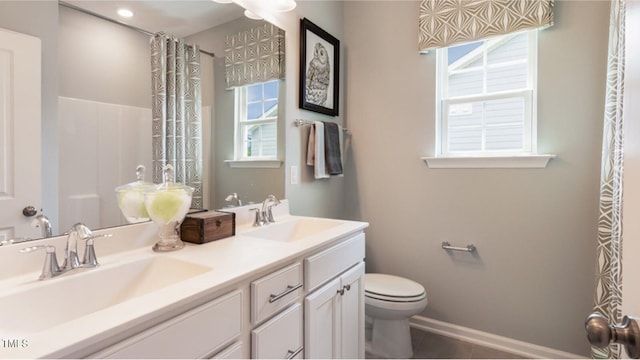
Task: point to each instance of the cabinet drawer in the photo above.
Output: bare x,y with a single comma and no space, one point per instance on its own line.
275,291
194,334
329,263
280,337
233,351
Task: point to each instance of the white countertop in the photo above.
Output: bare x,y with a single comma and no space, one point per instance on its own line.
231,260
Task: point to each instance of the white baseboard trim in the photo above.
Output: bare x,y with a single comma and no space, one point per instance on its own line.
489,340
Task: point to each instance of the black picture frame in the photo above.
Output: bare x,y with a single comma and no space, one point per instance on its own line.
319,69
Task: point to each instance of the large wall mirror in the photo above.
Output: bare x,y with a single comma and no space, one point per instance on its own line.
104,107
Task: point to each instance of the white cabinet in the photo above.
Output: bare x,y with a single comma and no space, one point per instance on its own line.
334,313
313,306
197,333
275,292
280,337
233,351
325,265
321,313
352,314
334,318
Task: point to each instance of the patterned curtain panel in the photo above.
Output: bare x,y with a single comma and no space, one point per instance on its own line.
177,112
255,55
444,23
608,288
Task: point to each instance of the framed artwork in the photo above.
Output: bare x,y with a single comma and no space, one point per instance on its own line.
319,69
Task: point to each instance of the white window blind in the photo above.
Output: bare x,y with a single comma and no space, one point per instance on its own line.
257,121
487,95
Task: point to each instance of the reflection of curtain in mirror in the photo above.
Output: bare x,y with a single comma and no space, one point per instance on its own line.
177,111
254,56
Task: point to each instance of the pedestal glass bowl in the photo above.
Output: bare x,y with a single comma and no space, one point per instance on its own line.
131,198
167,204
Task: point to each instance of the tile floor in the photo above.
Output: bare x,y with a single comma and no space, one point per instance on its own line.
428,345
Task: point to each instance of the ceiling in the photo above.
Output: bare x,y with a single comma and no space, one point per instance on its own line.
180,18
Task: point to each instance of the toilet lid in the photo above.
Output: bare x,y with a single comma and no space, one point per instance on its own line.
385,286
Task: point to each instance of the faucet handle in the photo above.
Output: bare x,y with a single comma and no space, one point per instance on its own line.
259,219
90,259
269,215
273,199
93,237
51,267
80,230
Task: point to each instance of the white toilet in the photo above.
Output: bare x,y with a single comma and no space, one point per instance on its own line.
389,303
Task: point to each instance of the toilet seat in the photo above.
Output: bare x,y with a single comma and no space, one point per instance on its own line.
395,299
392,288
389,302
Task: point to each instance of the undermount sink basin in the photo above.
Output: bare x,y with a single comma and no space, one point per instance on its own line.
294,229
71,296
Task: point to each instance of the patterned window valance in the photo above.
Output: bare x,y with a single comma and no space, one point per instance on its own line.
444,23
254,55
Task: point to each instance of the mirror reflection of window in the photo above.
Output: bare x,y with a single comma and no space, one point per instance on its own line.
257,121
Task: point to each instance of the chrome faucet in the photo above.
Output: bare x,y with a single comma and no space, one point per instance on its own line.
267,204
234,197
264,216
42,222
77,233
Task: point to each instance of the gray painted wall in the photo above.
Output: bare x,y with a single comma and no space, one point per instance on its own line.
535,229
310,197
102,61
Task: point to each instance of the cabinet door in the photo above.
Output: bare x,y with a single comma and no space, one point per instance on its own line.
352,313
322,322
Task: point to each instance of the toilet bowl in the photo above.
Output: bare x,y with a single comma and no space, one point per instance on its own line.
389,303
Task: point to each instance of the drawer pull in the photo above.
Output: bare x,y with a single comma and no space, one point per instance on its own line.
290,288
293,353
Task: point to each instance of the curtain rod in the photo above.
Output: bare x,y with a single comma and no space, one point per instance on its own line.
148,33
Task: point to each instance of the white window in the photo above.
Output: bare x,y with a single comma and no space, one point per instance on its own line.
256,130
486,93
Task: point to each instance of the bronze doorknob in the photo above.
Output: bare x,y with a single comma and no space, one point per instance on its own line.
600,333
29,211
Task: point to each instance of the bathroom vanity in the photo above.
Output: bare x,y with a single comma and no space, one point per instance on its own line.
291,289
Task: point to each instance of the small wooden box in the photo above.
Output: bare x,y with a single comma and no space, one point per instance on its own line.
207,226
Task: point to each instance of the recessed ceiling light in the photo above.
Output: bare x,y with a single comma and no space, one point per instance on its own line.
125,13
284,5
223,1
